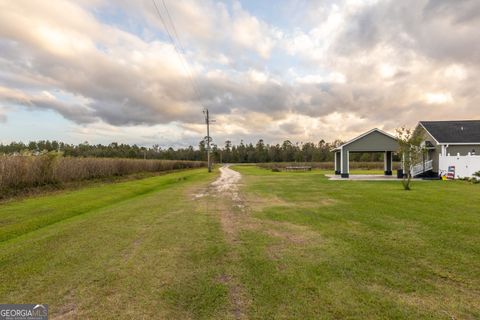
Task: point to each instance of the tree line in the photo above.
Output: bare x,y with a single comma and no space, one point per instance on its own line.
228,153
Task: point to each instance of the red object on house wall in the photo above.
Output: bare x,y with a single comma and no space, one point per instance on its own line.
451,172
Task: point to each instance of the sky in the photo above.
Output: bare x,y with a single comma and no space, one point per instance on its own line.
103,71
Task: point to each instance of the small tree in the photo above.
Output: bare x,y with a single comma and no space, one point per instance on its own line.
410,150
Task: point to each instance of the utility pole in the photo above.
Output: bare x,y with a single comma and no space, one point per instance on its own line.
207,121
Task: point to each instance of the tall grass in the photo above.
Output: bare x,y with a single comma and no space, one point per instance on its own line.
329,165
22,172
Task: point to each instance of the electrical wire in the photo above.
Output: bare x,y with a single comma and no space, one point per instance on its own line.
176,36
178,47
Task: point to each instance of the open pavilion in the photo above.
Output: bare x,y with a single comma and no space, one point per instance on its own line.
374,140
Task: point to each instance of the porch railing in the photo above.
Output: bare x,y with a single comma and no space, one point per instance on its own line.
421,168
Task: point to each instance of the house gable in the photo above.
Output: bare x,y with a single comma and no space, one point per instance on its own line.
427,137
374,140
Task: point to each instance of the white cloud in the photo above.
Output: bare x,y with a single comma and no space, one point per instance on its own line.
438,97
455,72
249,32
333,77
257,76
351,65
387,70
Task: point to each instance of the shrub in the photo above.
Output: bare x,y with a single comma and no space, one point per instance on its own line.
473,179
476,177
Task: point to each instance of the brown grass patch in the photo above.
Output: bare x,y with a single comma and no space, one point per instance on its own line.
23,172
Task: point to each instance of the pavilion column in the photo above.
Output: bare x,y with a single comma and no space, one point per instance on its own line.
388,162
345,154
338,163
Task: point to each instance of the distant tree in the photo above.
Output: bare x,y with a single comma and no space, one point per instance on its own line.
365,157
308,150
244,152
275,153
203,150
261,151
288,151
216,155
227,152
32,146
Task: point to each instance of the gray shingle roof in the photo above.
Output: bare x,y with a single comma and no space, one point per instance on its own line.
465,131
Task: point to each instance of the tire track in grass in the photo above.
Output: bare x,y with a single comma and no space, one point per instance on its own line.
234,212
224,194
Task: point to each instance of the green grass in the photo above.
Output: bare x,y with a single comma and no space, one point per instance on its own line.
134,249
373,250
304,248
19,218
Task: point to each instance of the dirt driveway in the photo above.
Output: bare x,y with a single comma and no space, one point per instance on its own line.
228,181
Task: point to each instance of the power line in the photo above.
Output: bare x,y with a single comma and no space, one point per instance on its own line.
182,59
173,26
177,37
181,52
164,23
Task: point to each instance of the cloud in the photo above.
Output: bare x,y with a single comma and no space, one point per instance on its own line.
128,80
402,62
76,112
346,66
211,25
441,30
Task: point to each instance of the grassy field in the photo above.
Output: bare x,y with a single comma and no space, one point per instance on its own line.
137,248
289,245
353,249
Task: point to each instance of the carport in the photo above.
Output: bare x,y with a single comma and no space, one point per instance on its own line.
374,140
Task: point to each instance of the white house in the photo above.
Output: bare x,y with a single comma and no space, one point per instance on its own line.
450,144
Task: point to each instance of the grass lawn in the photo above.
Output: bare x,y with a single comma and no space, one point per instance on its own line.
354,249
293,245
135,249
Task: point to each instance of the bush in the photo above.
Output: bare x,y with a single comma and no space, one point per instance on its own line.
476,177
473,179
26,171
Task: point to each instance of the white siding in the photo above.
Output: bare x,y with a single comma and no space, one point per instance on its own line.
465,166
